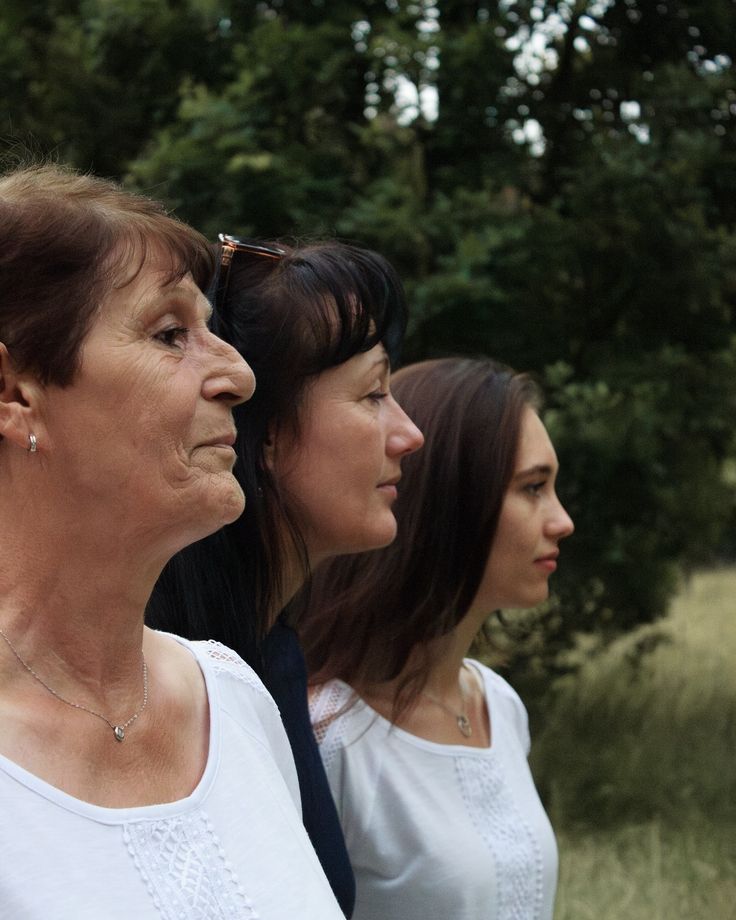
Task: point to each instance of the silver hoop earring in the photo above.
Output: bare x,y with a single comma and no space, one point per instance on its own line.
32,444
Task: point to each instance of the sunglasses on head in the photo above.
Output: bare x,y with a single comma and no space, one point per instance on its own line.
231,247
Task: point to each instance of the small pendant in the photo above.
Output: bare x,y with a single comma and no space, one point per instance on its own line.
463,723
119,732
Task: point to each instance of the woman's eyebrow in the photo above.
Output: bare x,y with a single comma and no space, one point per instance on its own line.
540,469
382,361
177,287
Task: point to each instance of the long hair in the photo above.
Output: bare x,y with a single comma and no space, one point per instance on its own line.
369,613
291,318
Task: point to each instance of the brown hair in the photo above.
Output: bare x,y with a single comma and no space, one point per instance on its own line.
368,613
66,241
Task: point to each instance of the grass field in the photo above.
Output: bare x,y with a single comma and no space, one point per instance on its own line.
637,761
649,872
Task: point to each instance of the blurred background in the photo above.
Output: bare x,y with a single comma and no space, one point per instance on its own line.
556,182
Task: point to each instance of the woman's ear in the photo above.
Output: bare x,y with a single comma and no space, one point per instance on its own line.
18,403
269,450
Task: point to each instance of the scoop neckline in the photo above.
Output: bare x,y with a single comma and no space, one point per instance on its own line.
437,747
126,814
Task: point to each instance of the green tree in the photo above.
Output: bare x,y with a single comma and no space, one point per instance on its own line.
89,81
556,181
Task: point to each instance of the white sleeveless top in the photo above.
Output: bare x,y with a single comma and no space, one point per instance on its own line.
436,831
235,849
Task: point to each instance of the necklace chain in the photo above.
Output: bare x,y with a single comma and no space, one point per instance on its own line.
117,730
461,718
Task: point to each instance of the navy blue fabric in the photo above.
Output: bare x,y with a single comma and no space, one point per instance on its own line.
285,676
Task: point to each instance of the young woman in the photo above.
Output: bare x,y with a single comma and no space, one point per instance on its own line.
425,749
320,449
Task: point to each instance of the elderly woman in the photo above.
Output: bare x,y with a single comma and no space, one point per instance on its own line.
320,449
425,749
140,775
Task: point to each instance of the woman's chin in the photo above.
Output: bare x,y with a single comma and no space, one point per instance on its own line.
234,504
222,506
376,538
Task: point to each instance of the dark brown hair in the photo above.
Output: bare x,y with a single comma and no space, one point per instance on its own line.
368,613
66,241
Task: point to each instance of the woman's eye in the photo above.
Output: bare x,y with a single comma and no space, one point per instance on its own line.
377,395
534,488
173,336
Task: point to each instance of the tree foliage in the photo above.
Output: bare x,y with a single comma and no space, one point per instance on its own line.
556,182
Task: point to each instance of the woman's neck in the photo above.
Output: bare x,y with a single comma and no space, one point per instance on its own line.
451,693
75,599
441,661
447,655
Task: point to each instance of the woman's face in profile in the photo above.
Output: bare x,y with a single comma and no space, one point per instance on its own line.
530,527
341,476
145,431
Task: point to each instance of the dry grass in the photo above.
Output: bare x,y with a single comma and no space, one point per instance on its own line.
649,872
637,763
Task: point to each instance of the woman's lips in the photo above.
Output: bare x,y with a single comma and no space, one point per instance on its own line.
389,487
227,439
548,563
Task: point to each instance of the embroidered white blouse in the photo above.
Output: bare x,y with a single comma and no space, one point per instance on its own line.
435,831
235,849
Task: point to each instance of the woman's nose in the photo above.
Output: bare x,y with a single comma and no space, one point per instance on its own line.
231,378
560,524
405,437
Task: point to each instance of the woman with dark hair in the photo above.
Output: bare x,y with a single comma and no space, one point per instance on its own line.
425,749
319,450
141,775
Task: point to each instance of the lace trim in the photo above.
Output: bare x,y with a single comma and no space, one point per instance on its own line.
330,712
515,850
186,871
225,661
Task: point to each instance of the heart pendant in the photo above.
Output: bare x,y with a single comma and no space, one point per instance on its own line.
463,723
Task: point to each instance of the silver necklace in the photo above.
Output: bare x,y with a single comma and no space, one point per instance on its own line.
461,718
117,730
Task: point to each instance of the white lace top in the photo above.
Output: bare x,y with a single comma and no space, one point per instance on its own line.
235,849
435,831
